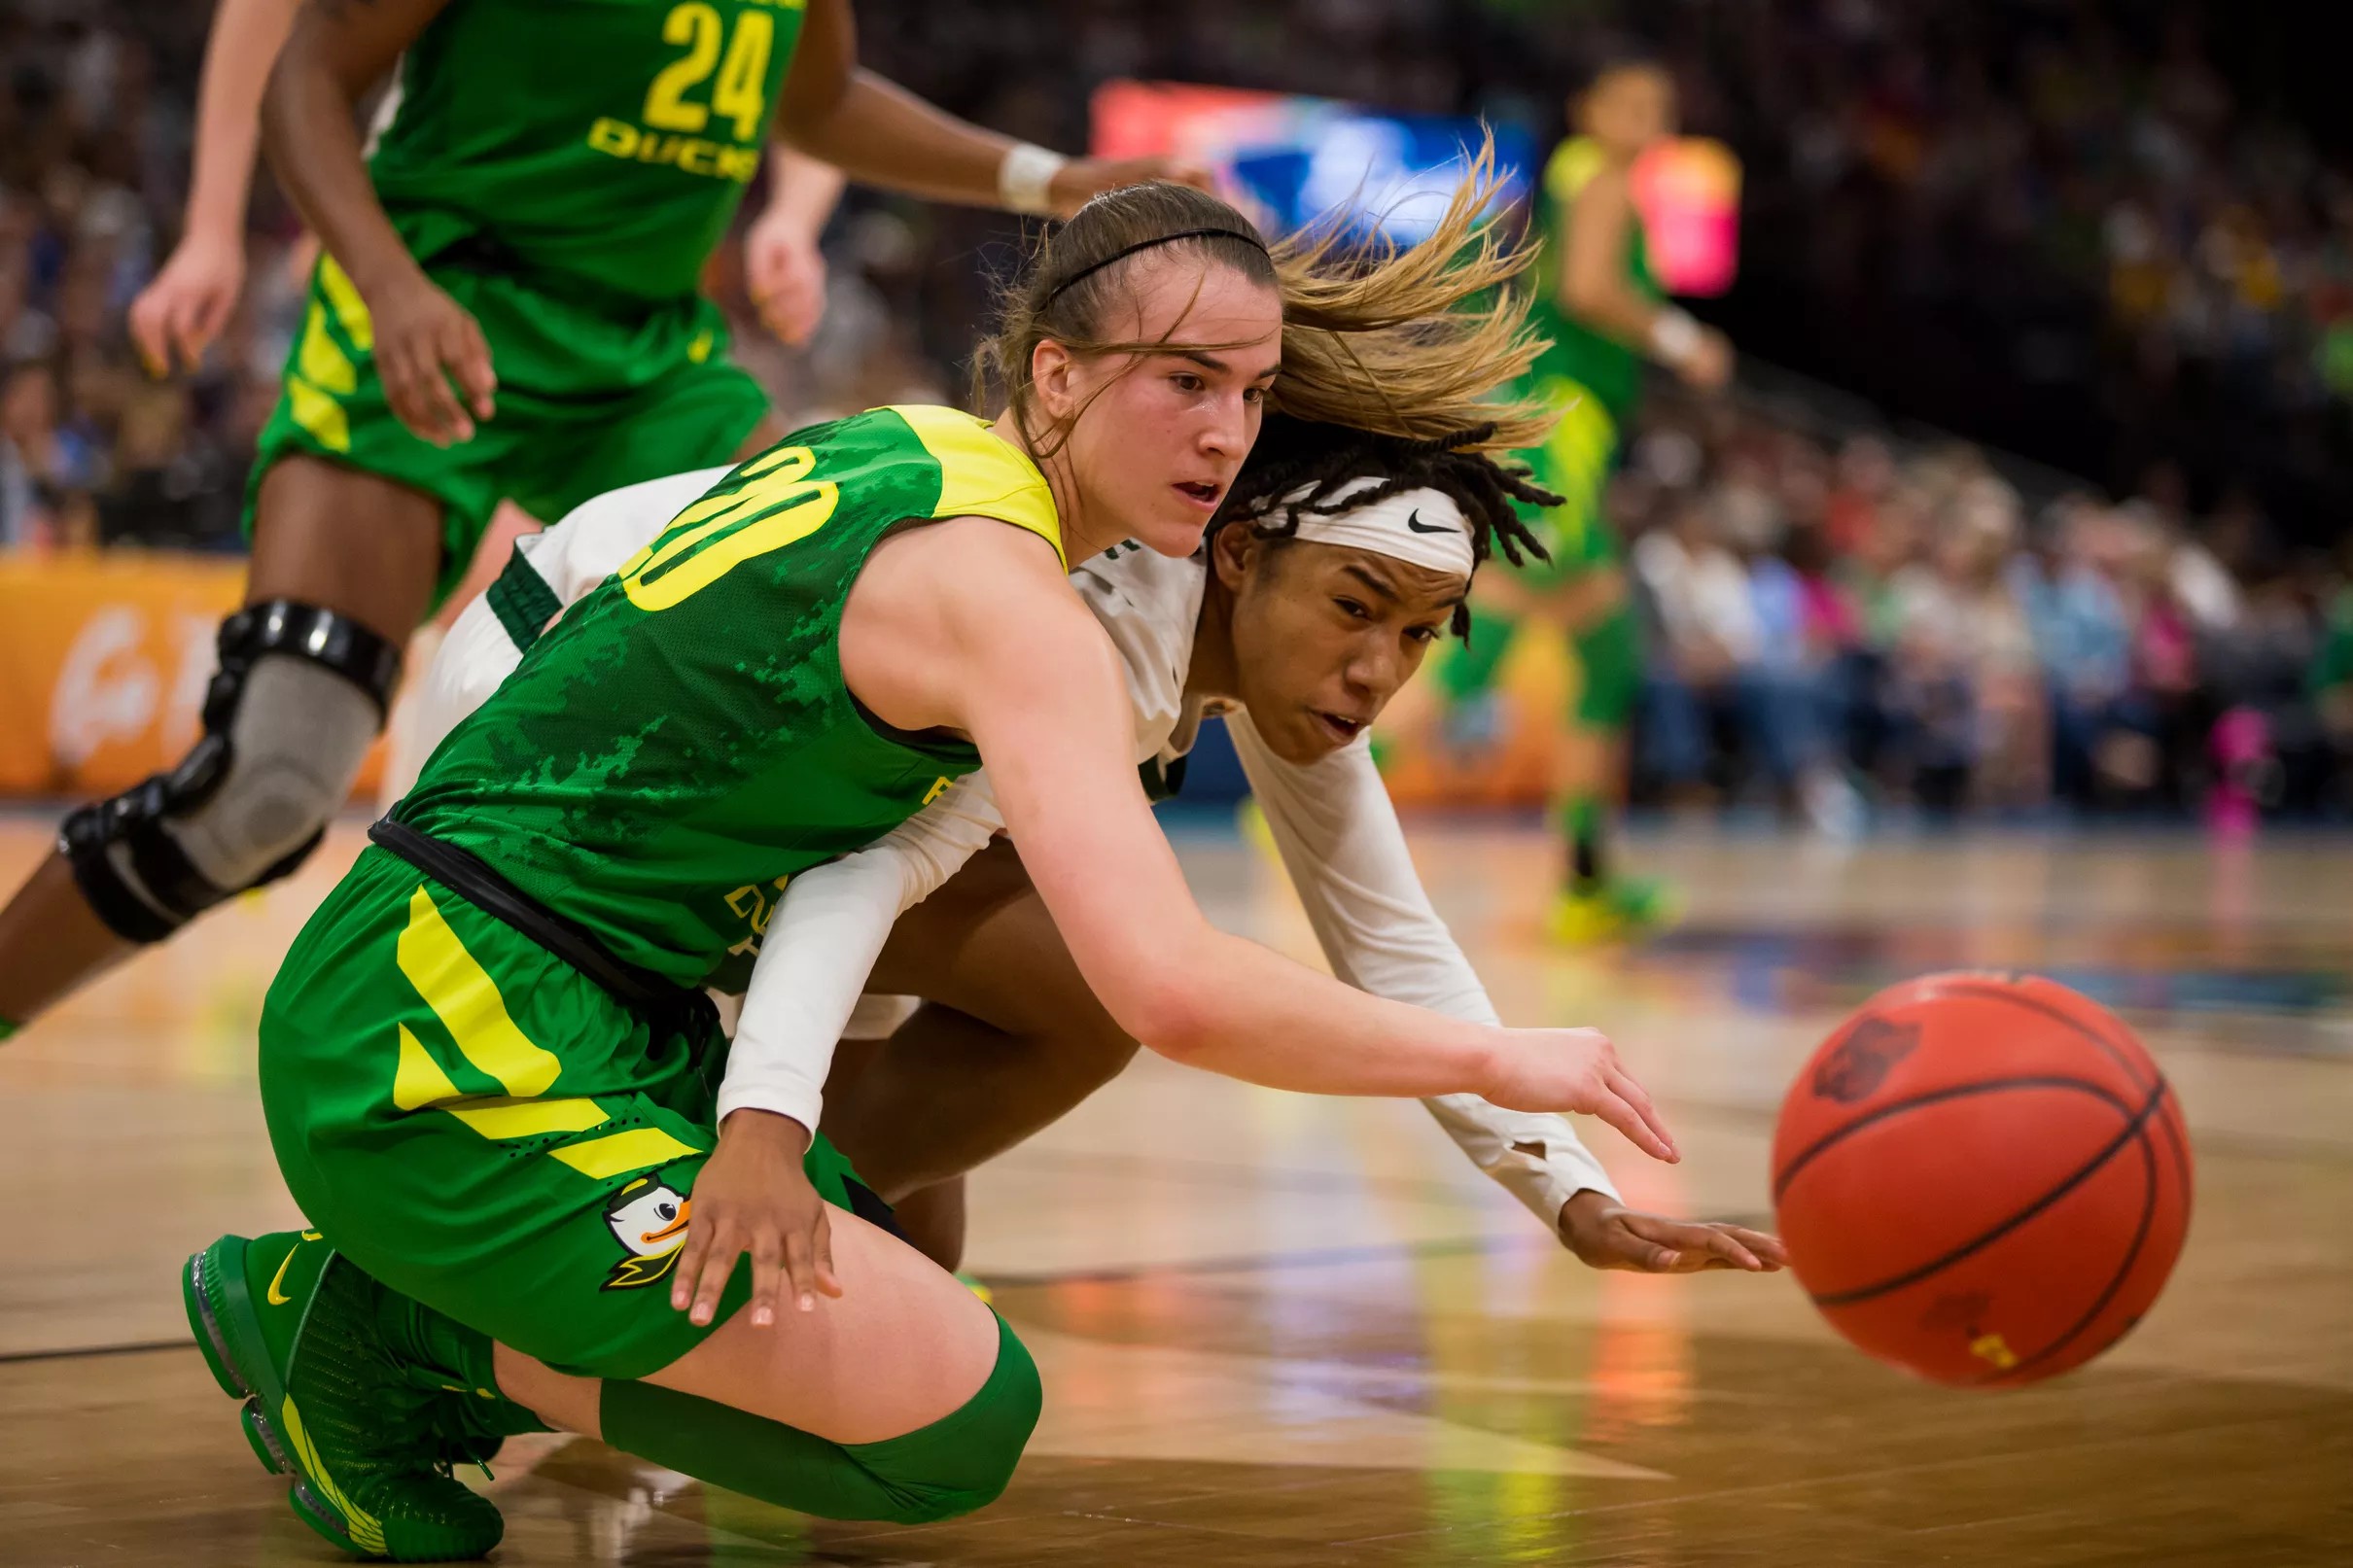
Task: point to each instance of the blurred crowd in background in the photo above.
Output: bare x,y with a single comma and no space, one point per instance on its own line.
2072,230
1840,619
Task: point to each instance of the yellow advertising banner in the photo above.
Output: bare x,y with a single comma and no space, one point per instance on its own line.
103,664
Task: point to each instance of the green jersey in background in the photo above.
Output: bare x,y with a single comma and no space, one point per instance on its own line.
608,141
1609,370
563,169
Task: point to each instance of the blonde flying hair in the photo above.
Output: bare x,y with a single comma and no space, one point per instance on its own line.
1407,341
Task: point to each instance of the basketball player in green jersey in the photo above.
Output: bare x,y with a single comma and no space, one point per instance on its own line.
506,309
185,304
1598,301
487,1079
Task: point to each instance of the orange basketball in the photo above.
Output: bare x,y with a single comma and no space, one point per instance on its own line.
1981,1179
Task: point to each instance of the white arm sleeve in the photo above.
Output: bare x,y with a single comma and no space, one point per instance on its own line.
1341,842
822,942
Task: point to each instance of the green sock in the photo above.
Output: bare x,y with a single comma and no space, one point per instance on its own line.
1581,823
6,1030
725,1446
956,1464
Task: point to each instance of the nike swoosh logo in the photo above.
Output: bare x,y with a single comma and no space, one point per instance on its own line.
279,1278
1413,520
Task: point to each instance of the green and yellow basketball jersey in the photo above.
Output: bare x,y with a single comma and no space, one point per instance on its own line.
608,140
681,741
1611,371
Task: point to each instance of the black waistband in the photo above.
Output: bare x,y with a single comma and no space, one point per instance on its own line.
667,1008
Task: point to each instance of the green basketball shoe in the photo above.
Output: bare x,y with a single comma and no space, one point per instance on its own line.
282,1318
1623,909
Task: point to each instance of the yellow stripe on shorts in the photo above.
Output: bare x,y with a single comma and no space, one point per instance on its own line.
420,1084
351,311
322,372
634,1150
419,1081
467,1001
322,361
528,1118
1576,464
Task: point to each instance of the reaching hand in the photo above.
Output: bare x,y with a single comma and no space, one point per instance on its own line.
424,341
786,272
1082,179
1604,1234
184,307
1576,1070
754,1196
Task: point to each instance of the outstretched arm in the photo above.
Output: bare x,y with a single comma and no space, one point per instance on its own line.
1340,841
879,133
971,626
182,310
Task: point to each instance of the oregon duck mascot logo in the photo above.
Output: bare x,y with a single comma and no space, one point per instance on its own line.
649,1217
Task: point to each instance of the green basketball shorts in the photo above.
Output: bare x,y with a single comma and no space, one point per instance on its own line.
592,395
1574,462
1609,666
483,1127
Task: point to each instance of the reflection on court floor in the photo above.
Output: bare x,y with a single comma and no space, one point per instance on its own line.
1285,1331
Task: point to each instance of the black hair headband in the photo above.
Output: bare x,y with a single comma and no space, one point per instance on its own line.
1084,272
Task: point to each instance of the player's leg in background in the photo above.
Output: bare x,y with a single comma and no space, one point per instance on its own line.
1008,1038
1600,901
404,750
1586,594
344,565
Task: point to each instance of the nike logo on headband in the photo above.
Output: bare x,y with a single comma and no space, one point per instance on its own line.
1414,521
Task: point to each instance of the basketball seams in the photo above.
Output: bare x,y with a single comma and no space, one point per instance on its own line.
1789,1173
2090,1206
2116,1281
1984,991
2133,1129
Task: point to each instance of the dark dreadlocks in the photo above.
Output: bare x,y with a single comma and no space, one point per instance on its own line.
1294,454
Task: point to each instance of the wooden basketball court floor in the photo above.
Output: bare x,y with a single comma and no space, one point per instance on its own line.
1282,1331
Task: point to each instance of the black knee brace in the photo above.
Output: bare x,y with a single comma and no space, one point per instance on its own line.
126,859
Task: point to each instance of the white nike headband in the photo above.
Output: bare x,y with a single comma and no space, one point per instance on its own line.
1426,527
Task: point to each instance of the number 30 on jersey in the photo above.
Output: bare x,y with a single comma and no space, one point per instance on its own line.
774,504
